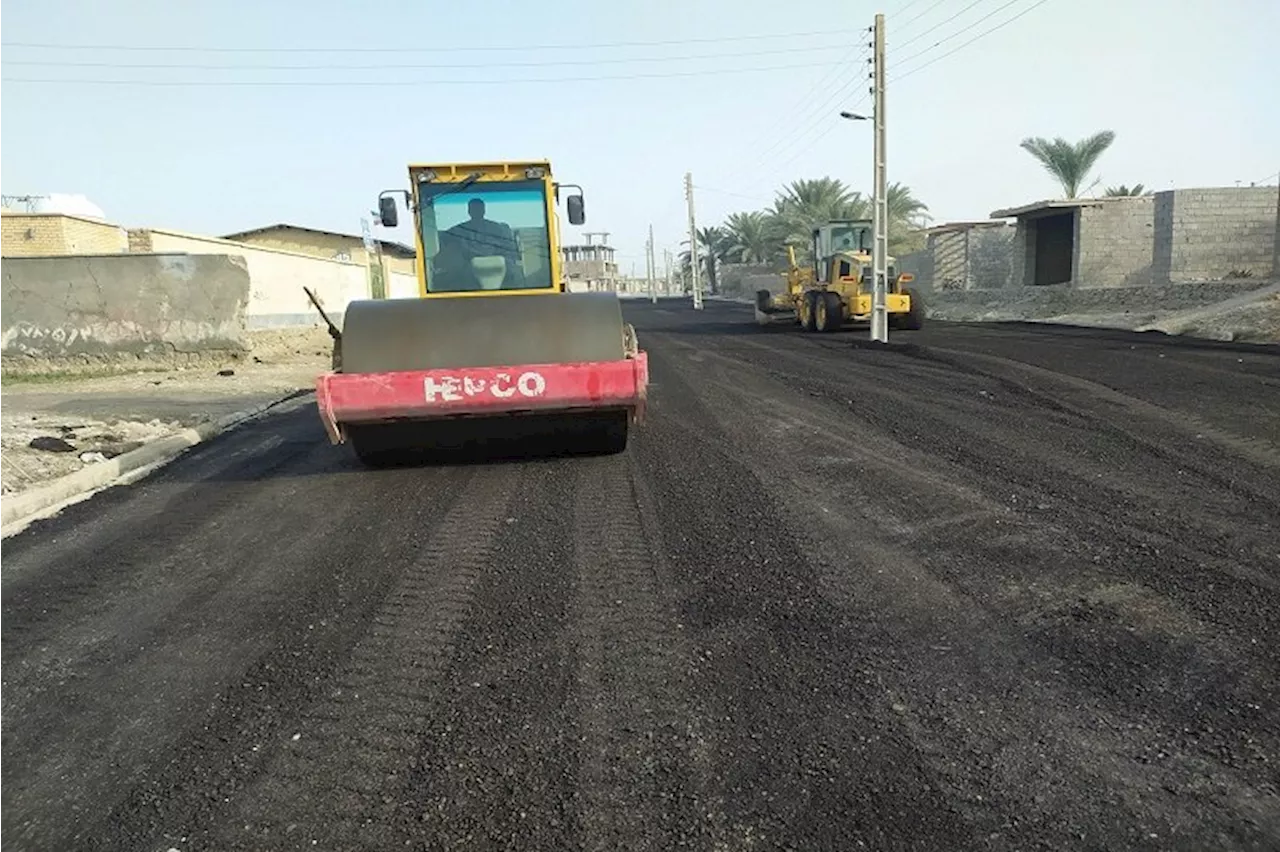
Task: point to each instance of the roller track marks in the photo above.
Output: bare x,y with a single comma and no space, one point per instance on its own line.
642,757
336,781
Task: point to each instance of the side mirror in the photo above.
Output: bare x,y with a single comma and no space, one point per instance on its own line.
387,212
576,214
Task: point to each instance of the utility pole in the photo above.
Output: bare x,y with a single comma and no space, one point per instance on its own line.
666,258
649,268
880,200
693,243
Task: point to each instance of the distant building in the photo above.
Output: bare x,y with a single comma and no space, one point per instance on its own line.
330,245
590,265
1175,235
57,224
25,234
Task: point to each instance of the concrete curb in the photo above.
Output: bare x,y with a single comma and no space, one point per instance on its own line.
20,508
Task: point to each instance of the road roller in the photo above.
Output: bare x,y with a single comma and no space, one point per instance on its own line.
494,353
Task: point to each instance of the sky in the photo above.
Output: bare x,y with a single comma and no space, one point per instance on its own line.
622,97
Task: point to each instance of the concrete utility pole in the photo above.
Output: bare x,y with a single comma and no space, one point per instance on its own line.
649,268
666,259
693,243
880,201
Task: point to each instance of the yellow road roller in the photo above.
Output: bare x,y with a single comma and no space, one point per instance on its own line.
493,350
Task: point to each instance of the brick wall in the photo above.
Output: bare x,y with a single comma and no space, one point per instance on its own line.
1205,234
55,234
1115,242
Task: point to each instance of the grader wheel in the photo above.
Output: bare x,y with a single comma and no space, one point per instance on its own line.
829,314
809,310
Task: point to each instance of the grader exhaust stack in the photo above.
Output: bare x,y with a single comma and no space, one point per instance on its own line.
494,345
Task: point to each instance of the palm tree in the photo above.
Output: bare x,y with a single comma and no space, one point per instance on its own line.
1069,163
753,237
1123,191
803,205
905,210
713,247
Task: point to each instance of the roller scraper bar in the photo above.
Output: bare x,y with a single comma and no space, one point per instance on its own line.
352,398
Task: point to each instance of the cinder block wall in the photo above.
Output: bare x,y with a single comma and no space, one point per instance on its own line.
1115,243
1205,234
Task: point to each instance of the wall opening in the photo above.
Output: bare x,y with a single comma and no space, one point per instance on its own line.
1054,248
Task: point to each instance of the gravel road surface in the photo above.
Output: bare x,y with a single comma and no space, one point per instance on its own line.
993,587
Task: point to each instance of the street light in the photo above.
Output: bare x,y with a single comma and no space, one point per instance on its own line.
879,313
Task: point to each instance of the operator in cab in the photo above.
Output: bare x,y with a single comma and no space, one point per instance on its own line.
481,237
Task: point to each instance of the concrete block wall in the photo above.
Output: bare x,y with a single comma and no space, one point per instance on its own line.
919,264
277,277
950,260
991,262
106,307
1114,242
1205,234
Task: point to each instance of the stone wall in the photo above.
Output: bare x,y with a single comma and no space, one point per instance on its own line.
1064,300
92,309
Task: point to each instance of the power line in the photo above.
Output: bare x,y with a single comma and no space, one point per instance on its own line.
401,83
804,111
441,49
1267,178
908,23
924,33
982,35
758,198
415,66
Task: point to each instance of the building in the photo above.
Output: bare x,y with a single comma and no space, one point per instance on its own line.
330,245
48,225
590,265
1180,235
967,255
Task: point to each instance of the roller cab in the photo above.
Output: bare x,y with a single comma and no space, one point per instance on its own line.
494,348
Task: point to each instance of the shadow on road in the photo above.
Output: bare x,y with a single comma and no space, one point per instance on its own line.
293,444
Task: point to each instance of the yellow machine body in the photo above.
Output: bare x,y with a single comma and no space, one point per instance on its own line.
838,289
487,236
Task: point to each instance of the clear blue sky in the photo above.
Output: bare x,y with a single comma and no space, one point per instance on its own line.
1189,87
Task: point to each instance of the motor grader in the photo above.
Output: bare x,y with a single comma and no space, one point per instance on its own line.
837,290
494,348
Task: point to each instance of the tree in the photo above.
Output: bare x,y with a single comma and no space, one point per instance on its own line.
713,248
1069,163
904,207
753,237
1122,191
803,205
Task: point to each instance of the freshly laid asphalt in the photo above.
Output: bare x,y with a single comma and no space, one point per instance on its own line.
991,587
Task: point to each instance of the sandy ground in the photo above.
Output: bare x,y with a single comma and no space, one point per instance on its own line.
82,421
